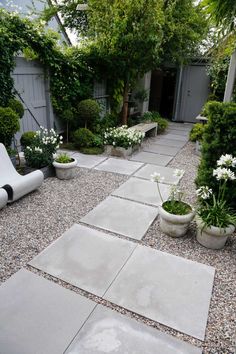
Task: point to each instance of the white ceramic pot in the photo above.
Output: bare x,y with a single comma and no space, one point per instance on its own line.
174,225
212,237
65,170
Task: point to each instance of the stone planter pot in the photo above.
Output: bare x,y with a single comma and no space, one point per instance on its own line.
198,147
118,151
65,170
174,225
212,237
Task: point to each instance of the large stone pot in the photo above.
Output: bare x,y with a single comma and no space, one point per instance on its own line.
65,170
212,237
175,225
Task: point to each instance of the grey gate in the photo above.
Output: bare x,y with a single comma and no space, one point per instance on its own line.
32,89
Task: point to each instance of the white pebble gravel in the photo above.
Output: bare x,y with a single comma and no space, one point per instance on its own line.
31,224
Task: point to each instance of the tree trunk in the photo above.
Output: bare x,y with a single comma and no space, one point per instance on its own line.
125,104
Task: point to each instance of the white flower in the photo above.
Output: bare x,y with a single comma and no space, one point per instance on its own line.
204,192
38,149
178,173
28,148
224,173
156,177
227,160
61,137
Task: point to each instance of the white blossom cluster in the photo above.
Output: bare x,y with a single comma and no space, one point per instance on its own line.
123,137
204,192
224,174
35,148
49,137
227,160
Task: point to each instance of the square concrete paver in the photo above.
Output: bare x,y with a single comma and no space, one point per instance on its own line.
122,217
172,136
166,172
168,289
38,316
121,166
88,161
143,191
168,142
184,133
149,157
107,331
85,257
162,149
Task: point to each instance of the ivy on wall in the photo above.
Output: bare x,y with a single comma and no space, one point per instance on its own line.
70,78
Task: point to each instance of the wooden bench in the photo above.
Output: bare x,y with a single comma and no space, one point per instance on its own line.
150,129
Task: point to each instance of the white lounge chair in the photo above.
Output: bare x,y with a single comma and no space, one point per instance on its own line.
3,198
15,184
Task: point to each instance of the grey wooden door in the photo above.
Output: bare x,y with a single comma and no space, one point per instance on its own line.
195,90
31,89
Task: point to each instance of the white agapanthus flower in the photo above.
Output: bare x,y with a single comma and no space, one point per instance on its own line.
224,174
178,173
227,160
204,192
156,177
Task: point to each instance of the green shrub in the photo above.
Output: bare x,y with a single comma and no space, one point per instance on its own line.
83,137
27,139
9,125
219,139
88,111
196,133
156,117
16,106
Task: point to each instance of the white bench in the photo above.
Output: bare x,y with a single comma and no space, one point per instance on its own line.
150,129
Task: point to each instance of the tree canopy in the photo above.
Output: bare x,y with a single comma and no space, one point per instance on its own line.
223,12
123,39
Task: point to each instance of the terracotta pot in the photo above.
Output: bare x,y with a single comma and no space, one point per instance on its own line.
175,225
212,237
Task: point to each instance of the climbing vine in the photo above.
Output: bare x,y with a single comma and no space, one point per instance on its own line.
70,78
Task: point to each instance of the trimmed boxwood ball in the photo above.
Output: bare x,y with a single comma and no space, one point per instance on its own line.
197,131
16,106
83,137
88,111
27,139
9,125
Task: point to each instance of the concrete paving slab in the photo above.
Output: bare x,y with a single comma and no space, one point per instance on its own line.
183,127
175,137
184,133
88,161
143,191
85,257
123,217
121,166
166,172
107,331
38,316
149,157
168,289
168,142
162,149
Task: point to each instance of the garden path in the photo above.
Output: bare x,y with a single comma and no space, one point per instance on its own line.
118,268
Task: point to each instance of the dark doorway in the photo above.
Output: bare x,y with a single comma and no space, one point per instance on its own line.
162,92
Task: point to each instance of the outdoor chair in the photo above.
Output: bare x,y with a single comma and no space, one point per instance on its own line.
12,182
3,198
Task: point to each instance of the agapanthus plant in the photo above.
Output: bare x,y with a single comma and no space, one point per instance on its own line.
174,205
213,209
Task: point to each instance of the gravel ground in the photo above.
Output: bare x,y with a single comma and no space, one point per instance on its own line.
31,224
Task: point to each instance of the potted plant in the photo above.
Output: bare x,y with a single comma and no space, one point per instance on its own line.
39,153
215,219
65,166
175,214
122,141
